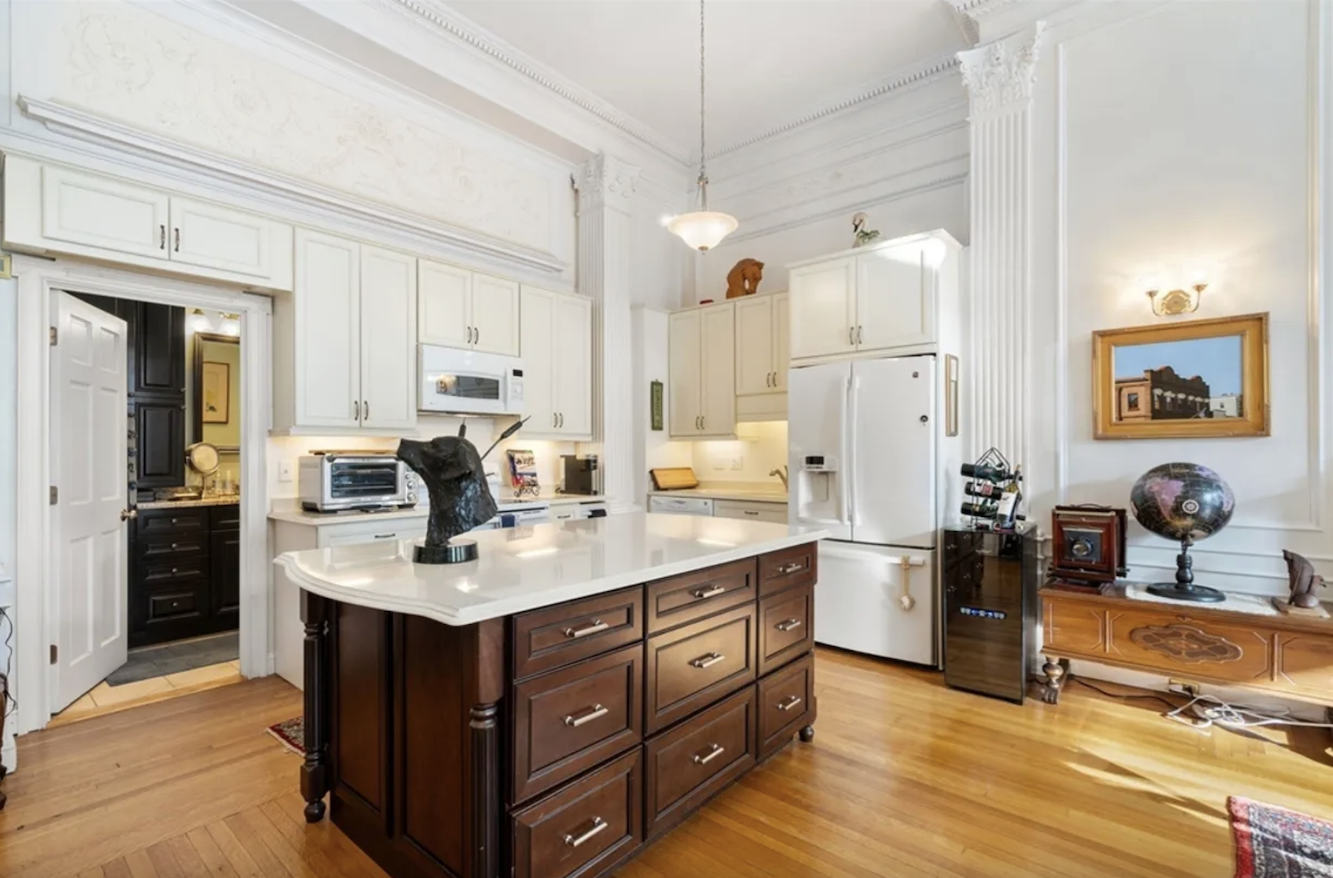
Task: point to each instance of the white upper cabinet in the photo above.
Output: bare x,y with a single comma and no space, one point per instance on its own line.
494,315
762,344
781,339
54,209
823,308
344,352
702,372
556,349
388,325
881,298
444,310
463,309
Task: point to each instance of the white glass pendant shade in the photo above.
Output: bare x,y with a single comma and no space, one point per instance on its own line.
702,229
199,321
231,324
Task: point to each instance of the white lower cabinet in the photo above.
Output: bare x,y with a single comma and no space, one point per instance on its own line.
772,512
702,372
344,351
556,344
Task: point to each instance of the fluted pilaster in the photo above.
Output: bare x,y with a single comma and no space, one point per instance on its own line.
999,79
606,190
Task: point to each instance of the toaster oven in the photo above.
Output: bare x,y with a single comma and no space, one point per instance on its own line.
333,481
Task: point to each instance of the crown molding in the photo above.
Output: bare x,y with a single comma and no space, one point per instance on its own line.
976,9
461,31
201,164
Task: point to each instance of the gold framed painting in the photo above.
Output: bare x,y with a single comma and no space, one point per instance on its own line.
216,387
1193,380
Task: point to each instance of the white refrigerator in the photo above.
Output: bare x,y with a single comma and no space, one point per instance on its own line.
863,453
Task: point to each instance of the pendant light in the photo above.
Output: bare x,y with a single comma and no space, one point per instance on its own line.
702,229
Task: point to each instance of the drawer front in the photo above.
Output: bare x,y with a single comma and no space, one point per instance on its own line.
225,517
166,549
786,627
787,568
772,512
690,763
683,599
693,666
558,636
786,703
569,720
589,824
164,522
159,573
172,604
1173,642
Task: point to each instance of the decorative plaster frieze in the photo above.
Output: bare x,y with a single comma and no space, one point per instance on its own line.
975,9
1001,74
606,181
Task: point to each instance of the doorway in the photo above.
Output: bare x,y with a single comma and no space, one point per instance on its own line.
186,570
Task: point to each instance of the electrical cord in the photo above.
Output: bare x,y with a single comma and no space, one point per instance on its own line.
9,661
1209,711
1150,696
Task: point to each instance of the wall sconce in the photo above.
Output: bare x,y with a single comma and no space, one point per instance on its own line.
231,324
1175,302
199,321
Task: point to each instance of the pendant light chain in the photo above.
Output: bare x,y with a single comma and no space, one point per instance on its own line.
703,172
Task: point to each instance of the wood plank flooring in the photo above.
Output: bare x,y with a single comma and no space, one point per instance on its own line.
905,778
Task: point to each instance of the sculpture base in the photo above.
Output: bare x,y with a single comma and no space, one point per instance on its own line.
1177,592
453,552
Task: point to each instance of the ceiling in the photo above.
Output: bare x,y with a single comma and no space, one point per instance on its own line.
770,62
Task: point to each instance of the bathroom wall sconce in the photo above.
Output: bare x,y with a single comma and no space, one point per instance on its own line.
1174,302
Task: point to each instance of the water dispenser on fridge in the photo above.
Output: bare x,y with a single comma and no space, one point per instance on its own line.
817,494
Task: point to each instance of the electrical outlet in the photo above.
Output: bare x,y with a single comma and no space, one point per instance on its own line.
737,463
1185,687
284,470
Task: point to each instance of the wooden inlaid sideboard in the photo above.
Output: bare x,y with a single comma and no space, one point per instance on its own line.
1290,656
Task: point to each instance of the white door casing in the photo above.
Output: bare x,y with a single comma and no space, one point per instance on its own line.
494,315
444,313
388,303
89,597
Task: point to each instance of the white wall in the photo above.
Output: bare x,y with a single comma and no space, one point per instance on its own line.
1183,134
8,421
760,448
653,448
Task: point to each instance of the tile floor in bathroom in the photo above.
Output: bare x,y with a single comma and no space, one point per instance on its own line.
104,699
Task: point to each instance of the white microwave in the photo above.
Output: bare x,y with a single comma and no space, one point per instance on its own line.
456,381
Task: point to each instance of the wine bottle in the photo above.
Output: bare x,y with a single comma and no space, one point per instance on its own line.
995,474
980,510
983,489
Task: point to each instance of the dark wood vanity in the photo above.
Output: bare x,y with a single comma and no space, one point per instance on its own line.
560,741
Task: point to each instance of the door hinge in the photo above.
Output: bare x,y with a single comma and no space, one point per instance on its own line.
55,336
55,653
55,495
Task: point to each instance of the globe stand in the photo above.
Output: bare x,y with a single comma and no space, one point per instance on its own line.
1184,589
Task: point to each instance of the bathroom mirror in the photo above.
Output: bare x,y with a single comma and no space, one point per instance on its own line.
216,380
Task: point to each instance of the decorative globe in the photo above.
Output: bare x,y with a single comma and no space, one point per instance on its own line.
1182,501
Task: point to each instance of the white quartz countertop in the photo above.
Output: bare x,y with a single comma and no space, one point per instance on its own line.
525,568
297,515
755,495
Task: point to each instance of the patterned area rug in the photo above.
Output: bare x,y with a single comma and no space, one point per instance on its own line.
1273,842
291,734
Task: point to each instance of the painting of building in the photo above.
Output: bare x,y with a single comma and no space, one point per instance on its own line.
1225,406
1161,394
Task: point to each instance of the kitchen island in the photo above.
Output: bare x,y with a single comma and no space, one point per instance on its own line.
547,710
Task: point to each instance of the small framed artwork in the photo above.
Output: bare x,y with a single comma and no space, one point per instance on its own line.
655,404
1192,380
214,388
950,395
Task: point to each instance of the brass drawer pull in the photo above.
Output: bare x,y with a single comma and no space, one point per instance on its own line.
788,625
710,592
791,702
707,661
793,567
594,712
714,751
595,626
598,824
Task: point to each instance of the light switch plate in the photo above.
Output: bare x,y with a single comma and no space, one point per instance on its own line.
284,470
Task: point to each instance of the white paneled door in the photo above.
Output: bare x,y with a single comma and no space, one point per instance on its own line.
683,373
327,323
539,361
573,372
90,599
717,377
754,345
92,210
494,315
444,313
218,237
388,323
823,309
895,301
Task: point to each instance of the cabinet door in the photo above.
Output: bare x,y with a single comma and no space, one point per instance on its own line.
894,299
494,315
327,304
717,368
224,579
683,374
573,371
754,345
388,329
823,309
218,237
444,309
92,210
159,339
159,427
537,339
781,340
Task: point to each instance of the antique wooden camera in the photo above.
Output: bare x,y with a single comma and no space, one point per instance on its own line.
1087,545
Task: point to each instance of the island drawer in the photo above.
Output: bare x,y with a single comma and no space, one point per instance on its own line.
786,703
786,627
692,596
786,568
161,522
571,719
690,667
561,635
167,549
686,765
584,827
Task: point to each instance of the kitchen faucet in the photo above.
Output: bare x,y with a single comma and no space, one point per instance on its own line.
780,472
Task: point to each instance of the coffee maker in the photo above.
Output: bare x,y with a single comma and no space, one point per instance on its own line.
582,475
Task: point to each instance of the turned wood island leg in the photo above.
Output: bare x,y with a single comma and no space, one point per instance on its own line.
485,662
315,769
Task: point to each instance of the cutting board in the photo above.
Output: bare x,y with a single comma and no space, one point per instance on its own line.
673,477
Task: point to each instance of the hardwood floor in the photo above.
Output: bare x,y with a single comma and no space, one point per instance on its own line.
905,778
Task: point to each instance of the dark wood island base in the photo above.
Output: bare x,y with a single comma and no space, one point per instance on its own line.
560,741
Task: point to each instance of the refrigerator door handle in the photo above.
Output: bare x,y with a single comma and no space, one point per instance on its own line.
849,464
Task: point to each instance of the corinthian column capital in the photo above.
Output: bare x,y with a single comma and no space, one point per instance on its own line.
606,181
1000,75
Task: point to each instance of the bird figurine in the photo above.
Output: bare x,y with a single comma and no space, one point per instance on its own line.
863,236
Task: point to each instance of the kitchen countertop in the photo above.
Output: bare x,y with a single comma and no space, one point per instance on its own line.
717,492
530,567
223,500
296,515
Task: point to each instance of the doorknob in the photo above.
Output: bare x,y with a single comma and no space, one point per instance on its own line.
128,514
